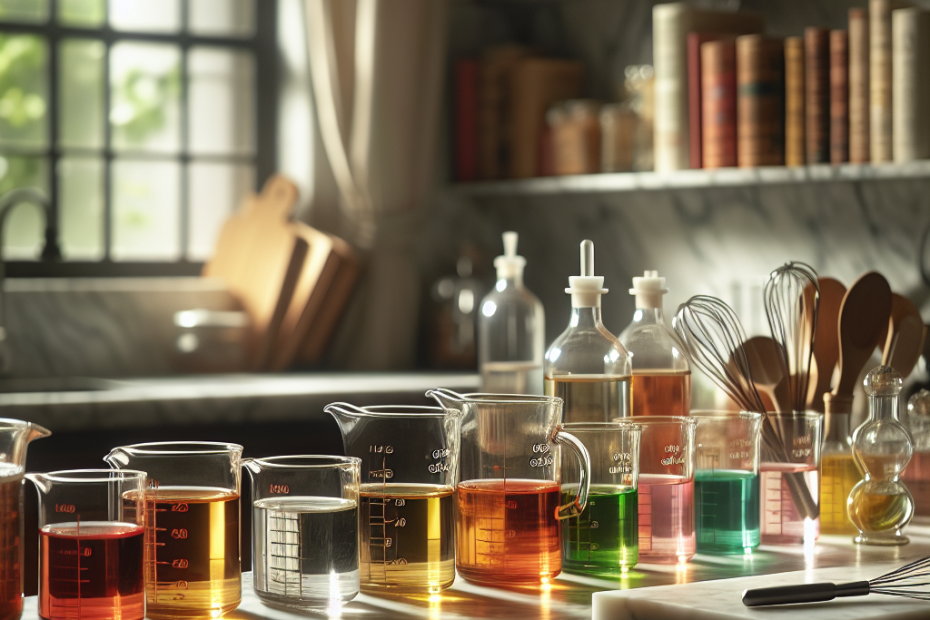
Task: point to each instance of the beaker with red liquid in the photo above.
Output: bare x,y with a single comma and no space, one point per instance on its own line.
192,569
15,436
509,498
91,544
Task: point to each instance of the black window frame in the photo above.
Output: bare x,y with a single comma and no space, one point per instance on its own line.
262,44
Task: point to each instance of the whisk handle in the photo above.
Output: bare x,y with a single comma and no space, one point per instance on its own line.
803,593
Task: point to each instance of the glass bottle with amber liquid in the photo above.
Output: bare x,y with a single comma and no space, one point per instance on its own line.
586,366
661,374
838,471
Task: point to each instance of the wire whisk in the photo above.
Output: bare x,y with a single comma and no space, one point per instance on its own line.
910,581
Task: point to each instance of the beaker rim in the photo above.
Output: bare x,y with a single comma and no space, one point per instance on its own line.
15,422
647,420
614,425
508,399
402,411
721,414
93,475
325,461
183,447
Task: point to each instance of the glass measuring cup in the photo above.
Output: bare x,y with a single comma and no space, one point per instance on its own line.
666,488
604,538
304,530
509,497
15,436
91,544
406,504
727,481
192,525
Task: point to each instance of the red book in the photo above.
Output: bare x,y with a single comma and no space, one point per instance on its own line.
466,120
718,91
695,39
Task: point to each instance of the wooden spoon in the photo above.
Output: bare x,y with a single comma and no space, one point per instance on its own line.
826,341
903,336
768,372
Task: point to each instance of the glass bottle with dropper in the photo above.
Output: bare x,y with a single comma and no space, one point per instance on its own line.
511,330
586,366
661,374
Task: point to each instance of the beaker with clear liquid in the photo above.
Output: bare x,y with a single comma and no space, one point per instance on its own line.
510,498
15,436
409,458
304,530
91,544
192,569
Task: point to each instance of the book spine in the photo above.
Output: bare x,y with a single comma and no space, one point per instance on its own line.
466,120
669,28
880,76
839,97
817,94
794,101
759,114
910,58
695,39
859,150
718,89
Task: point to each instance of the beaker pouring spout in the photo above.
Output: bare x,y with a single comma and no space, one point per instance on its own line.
446,398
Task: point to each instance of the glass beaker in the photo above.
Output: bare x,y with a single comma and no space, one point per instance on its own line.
192,525
604,538
406,498
509,497
304,530
726,488
790,480
91,544
666,488
15,436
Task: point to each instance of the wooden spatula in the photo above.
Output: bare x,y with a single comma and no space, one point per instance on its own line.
826,341
903,336
768,373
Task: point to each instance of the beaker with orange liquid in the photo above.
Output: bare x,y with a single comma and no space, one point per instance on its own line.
509,497
192,526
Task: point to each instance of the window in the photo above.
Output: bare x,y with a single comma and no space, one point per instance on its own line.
144,122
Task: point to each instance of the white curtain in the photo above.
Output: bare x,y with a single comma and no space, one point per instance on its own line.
376,68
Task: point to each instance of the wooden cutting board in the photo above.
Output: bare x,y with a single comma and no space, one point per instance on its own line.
259,256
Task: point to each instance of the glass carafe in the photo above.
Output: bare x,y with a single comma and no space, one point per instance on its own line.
192,525
15,436
509,494
406,499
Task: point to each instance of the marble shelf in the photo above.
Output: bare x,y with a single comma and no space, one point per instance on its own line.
692,179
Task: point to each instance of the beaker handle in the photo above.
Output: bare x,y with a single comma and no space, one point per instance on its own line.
576,506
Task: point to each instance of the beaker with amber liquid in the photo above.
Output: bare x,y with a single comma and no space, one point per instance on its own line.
192,525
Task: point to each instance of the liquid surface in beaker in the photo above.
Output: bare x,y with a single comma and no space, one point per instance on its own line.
591,398
193,568
661,392
839,475
11,586
507,531
306,549
604,538
782,523
92,570
726,511
407,540
666,518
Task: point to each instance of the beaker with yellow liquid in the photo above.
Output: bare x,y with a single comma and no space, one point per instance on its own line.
192,565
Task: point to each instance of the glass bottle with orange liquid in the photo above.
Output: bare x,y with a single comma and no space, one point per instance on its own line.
661,374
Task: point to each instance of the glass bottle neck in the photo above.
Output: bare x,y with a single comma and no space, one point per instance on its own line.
838,428
585,317
883,408
648,316
515,281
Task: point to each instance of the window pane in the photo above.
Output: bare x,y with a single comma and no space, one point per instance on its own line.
23,90
81,111
23,232
146,15
87,13
23,10
145,210
81,207
215,192
234,18
221,101
144,86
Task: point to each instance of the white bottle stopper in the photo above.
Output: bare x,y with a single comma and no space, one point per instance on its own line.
649,290
586,289
510,265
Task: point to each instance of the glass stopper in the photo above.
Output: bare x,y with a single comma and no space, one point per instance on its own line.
919,404
883,381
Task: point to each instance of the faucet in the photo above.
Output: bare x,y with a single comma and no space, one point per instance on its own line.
50,251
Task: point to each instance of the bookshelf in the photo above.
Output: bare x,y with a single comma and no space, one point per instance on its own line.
693,179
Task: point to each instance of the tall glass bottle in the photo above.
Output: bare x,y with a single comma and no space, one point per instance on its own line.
838,471
511,330
917,474
586,366
661,374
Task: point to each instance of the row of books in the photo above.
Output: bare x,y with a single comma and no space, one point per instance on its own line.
728,95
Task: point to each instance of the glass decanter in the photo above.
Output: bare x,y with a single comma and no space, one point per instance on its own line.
880,505
917,474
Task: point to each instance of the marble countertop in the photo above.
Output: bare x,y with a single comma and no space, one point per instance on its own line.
80,403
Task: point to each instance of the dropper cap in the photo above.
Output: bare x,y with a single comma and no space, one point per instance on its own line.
586,289
510,265
649,290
